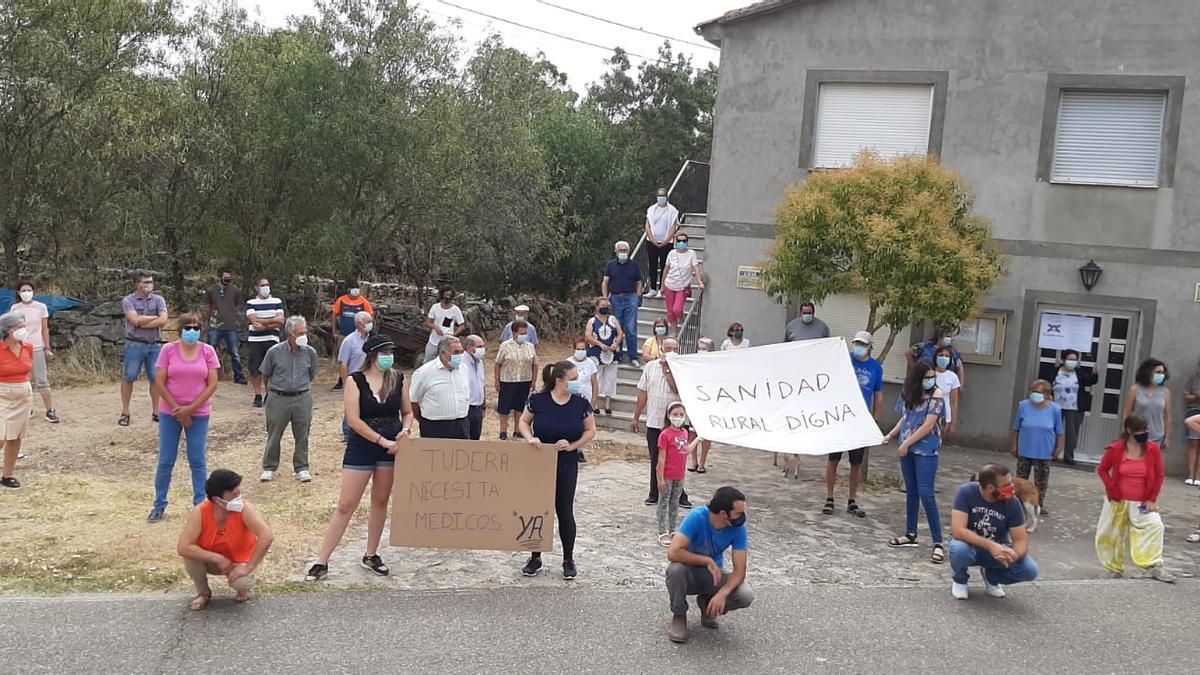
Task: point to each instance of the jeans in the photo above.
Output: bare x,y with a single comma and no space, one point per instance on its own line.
684,580
281,411
625,308
964,555
230,339
139,356
169,431
919,472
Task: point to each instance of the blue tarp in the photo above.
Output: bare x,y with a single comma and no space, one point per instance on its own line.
53,302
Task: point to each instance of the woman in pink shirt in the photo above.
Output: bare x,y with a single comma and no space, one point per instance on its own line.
186,378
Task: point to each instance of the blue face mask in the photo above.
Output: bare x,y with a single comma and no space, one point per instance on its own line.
946,341
575,387
604,311
861,351
943,361
1071,364
681,246
455,361
521,339
386,361
1158,378
1037,398
660,330
929,383
622,256
806,318
662,201
190,336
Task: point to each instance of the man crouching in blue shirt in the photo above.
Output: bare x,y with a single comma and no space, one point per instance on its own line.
988,525
696,555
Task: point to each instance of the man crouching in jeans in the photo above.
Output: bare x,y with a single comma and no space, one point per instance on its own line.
696,555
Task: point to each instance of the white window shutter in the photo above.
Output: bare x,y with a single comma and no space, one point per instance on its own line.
1109,138
846,314
888,119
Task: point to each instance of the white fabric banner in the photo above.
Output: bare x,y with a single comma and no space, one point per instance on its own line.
798,397
1066,331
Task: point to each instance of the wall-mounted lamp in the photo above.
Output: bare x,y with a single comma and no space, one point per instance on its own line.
1090,274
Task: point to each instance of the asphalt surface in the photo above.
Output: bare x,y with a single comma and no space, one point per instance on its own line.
1053,627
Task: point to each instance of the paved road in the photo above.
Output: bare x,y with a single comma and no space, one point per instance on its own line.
1055,627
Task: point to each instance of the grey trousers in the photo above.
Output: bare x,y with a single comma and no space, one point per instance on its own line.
668,505
684,580
281,411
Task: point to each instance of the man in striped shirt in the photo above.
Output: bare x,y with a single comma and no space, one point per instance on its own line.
441,393
265,314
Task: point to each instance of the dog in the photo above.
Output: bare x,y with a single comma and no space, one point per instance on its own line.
791,466
1028,494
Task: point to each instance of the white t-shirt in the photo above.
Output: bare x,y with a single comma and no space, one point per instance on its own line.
728,344
662,218
447,319
34,312
587,368
679,276
948,382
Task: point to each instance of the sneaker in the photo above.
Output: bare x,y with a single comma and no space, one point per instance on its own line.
304,476
1160,574
582,458
534,566
317,572
569,570
684,503
1186,481
337,387
504,435
156,514
1042,512
995,590
22,455
959,591
258,400
241,380
635,363
52,417
664,539
375,564
678,632
650,501
705,620
267,476
11,482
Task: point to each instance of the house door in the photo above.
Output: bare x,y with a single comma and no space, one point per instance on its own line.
1111,356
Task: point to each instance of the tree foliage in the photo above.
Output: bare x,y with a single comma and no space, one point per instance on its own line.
901,232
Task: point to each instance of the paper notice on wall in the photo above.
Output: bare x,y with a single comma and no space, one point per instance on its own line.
797,398
1066,331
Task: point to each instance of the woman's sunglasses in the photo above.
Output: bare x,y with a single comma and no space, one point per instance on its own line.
191,327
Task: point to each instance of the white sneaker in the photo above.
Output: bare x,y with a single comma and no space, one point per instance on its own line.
664,539
959,591
304,476
995,591
267,476
1188,481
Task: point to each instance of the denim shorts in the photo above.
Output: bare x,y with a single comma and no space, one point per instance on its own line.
1188,432
363,455
139,356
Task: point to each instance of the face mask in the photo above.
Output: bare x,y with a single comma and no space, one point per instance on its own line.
660,330
704,349
479,352
681,246
1071,365
302,340
447,299
580,354
604,311
662,201
354,292
225,282
20,334
368,327
520,317
739,521
677,421
622,256
235,505
737,334
1007,492
861,351
386,361
149,288
190,337
521,339
946,341
928,383
26,296
943,361
264,291
1037,397
455,361
806,318
1142,437
1158,378
575,387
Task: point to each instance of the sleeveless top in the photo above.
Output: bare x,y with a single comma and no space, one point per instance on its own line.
605,332
1152,406
378,416
235,542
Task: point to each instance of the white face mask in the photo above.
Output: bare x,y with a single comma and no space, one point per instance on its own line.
479,352
264,291
235,505
20,334
354,292
368,327
677,421
302,340
580,354
26,296
149,289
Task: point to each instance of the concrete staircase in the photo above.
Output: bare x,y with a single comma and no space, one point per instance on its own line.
625,402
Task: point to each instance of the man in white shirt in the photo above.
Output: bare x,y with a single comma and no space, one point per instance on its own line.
662,220
441,393
656,391
475,369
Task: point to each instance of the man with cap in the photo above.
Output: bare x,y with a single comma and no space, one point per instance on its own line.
622,285
869,372
441,393
520,313
806,326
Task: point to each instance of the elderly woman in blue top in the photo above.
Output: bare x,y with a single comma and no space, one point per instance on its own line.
1037,436
921,409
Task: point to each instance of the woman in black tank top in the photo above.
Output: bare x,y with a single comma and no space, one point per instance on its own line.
379,415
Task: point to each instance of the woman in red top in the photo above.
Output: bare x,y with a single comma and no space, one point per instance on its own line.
224,536
16,396
1132,472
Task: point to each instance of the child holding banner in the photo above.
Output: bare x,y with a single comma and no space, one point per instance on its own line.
673,452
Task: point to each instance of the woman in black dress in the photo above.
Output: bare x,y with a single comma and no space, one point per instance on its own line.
559,416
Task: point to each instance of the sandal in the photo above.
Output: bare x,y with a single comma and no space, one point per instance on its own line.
154,418
375,564
200,602
1194,537
828,508
692,469
907,541
938,556
123,420
317,572
853,509
701,469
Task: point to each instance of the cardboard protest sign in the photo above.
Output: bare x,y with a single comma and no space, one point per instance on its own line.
798,398
474,494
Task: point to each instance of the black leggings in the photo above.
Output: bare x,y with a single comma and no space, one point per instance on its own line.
658,260
564,501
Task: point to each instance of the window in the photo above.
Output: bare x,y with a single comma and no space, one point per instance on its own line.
1109,138
981,338
846,314
889,119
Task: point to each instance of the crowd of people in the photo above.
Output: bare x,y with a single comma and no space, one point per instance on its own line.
554,406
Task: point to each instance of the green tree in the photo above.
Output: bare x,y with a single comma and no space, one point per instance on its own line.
902,232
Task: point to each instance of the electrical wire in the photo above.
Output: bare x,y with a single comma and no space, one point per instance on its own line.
627,26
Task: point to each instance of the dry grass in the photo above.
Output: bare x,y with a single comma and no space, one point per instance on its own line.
78,523
82,366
